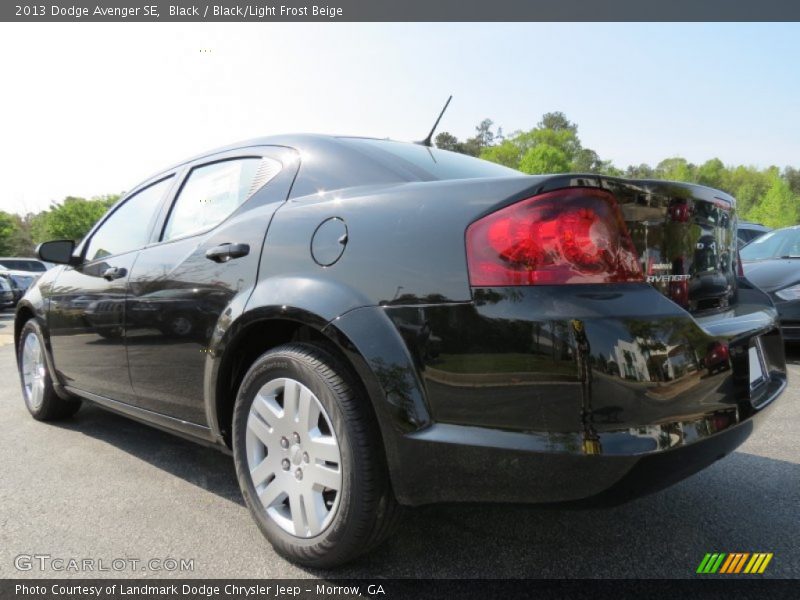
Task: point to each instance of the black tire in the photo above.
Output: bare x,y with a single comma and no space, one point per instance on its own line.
52,406
367,509
109,333
179,325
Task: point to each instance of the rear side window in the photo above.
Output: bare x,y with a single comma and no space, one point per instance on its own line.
128,227
212,192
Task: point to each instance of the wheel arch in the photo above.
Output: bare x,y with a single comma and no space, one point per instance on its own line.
254,333
25,312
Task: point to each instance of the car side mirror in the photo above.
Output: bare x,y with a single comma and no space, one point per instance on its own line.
58,251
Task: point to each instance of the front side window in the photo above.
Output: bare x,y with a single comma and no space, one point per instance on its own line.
212,192
128,228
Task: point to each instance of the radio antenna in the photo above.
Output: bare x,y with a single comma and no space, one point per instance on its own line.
427,140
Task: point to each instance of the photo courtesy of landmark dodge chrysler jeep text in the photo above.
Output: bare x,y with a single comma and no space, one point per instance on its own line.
367,324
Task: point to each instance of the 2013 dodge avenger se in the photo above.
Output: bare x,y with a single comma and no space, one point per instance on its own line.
367,324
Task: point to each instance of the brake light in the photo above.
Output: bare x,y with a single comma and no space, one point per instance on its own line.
569,236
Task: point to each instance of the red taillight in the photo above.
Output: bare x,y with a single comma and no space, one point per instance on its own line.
574,235
719,351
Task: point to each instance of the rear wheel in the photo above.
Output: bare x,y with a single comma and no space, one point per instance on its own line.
309,457
37,384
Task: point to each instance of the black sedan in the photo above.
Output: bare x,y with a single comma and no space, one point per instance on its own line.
772,262
366,324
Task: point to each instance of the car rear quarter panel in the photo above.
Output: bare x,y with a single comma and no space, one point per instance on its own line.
451,369
405,242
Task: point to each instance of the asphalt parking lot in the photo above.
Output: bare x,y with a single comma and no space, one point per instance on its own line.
103,487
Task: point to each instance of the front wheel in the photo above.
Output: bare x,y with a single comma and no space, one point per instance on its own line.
37,384
309,457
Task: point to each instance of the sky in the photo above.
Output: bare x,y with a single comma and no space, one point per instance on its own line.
94,108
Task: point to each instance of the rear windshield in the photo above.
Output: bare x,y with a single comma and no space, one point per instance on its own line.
17,264
426,163
784,243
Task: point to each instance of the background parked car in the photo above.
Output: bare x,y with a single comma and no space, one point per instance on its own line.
772,262
16,263
20,272
747,232
6,293
19,282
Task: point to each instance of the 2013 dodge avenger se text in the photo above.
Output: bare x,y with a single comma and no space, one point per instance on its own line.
367,324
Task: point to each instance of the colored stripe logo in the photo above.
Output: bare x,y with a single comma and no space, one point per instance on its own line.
735,562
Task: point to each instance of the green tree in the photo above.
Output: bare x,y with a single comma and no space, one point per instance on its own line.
778,208
559,148
7,229
768,195
505,153
22,243
544,158
676,169
73,218
484,136
748,185
642,171
713,174
792,177
557,121
447,141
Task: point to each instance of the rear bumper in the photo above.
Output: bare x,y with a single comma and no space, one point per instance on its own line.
562,394
456,463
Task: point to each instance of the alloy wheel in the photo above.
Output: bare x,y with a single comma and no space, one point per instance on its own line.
33,371
293,457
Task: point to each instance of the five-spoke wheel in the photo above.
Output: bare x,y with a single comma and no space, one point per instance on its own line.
37,384
33,371
293,457
309,457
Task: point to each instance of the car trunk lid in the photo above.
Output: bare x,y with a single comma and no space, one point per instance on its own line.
684,236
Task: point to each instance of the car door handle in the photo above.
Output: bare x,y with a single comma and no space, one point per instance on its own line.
225,252
113,273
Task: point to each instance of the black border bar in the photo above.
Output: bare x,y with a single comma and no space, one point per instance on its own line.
399,10
723,588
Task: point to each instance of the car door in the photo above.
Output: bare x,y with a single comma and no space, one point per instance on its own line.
204,260
87,303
